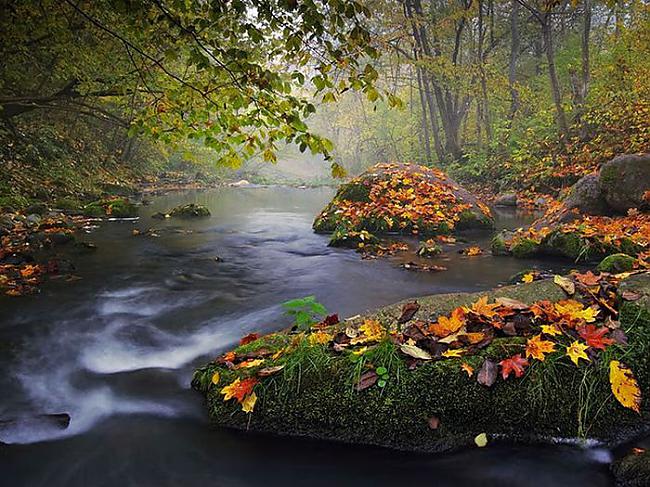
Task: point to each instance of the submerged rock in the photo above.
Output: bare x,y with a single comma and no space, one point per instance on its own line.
191,210
376,396
111,207
404,198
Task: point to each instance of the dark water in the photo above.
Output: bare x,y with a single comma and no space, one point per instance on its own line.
116,351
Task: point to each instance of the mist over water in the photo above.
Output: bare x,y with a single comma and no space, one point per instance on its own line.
116,351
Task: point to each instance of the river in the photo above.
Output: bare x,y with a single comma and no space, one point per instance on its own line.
116,350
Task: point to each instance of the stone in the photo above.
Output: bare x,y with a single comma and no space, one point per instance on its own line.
587,196
506,199
37,208
191,210
616,263
625,180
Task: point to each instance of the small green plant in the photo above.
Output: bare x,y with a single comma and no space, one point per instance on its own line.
382,372
305,311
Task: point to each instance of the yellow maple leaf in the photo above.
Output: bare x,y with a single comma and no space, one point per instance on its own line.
467,368
361,351
250,363
216,378
573,310
528,278
481,307
538,348
230,390
371,331
320,337
624,386
551,330
248,404
453,353
576,351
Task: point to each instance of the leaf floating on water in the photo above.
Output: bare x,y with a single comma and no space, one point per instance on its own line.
624,386
481,440
415,351
487,376
566,284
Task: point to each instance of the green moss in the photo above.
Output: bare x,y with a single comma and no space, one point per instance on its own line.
570,245
117,207
470,219
524,247
616,263
354,191
343,237
67,204
498,245
429,248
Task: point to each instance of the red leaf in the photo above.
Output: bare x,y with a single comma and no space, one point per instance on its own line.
251,337
514,364
331,320
595,337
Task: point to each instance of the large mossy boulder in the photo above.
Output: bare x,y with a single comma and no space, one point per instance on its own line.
632,470
191,210
625,180
404,198
306,386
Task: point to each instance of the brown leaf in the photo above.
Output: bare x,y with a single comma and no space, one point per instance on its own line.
619,336
434,422
487,376
367,379
414,331
630,295
267,371
588,278
512,304
408,312
566,284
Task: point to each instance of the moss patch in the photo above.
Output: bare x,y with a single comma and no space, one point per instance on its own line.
113,207
190,211
616,263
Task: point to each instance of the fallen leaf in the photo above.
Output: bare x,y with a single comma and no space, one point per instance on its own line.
268,371
238,389
487,376
551,330
512,304
467,368
248,404
624,386
408,312
331,320
473,251
482,308
595,336
446,326
247,364
538,348
414,351
320,338
588,278
216,378
433,422
367,379
513,365
576,351
566,284
371,331
251,337
453,353
528,278
481,440
630,296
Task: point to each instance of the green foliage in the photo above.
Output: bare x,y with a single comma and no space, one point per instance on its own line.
305,311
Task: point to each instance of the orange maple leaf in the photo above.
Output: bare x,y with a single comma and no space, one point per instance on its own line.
446,326
538,348
482,308
239,389
514,364
595,337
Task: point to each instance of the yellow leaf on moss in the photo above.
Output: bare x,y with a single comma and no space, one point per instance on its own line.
453,353
566,284
248,404
624,386
371,331
576,351
216,378
551,330
320,338
528,277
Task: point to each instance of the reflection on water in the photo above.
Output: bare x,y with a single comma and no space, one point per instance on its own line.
116,351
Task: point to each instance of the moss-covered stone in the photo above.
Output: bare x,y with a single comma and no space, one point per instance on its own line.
616,263
191,210
632,470
342,237
314,394
569,245
524,248
113,207
498,245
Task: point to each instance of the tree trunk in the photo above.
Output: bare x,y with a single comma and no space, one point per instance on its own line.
425,124
547,31
586,68
514,55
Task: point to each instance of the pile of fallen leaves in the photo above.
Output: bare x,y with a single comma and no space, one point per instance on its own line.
576,330
596,231
404,198
23,263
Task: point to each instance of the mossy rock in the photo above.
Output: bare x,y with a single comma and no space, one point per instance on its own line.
616,263
499,245
342,237
632,470
369,198
314,395
191,210
524,248
114,207
429,248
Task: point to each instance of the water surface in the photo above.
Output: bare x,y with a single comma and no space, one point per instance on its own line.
117,348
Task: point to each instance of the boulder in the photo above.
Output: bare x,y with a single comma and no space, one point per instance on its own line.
191,210
616,263
434,404
404,198
506,199
39,209
625,180
632,470
587,196
111,207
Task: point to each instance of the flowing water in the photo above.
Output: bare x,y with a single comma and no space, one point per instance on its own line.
116,350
